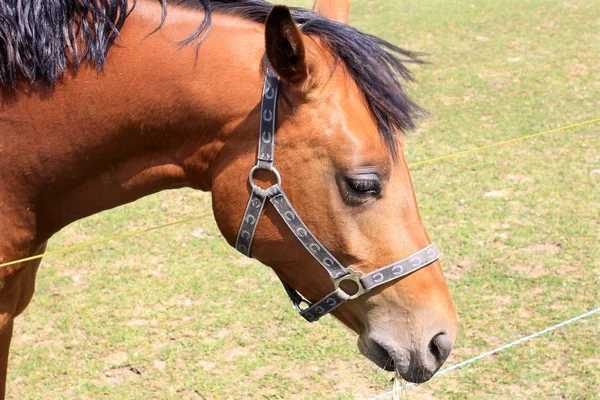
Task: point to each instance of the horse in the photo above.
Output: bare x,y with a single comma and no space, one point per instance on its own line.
105,102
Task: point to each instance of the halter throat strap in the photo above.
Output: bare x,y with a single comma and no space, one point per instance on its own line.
278,199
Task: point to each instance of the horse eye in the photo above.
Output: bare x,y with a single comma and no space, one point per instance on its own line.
364,186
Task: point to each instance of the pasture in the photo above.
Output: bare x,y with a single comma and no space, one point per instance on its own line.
176,313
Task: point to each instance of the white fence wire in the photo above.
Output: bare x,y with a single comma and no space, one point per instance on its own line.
387,395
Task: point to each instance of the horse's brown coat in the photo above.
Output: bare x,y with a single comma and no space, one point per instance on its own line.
336,10
156,119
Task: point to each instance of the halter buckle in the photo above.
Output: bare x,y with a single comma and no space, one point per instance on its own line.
354,276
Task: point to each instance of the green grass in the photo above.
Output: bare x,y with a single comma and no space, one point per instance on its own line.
519,227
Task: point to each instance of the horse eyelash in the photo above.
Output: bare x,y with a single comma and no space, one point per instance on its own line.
364,186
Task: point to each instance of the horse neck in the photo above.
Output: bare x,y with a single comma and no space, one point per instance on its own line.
155,118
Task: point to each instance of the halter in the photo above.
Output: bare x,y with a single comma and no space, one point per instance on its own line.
275,194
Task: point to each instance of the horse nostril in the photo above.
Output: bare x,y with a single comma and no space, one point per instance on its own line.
382,354
440,346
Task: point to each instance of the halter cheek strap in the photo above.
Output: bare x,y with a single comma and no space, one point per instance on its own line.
276,196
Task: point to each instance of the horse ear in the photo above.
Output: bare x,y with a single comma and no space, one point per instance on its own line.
285,48
335,10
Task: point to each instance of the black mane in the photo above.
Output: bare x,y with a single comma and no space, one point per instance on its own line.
44,39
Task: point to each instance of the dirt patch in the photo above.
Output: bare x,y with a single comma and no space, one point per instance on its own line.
543,248
513,178
191,395
454,272
498,193
498,300
206,365
244,261
117,358
159,364
122,374
238,352
527,270
359,384
136,323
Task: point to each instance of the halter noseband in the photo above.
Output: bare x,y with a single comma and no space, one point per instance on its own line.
275,194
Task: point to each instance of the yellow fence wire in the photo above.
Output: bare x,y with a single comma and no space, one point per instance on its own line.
183,221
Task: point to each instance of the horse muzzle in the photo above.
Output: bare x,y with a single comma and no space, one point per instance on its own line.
417,361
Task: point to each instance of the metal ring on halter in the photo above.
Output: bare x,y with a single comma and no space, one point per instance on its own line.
354,276
256,168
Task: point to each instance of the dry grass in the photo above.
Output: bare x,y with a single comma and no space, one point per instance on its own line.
144,318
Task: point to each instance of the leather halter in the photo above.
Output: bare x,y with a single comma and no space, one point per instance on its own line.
277,197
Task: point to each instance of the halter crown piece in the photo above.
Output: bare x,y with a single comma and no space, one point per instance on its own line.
337,272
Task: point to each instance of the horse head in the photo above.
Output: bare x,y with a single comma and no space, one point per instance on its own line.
341,164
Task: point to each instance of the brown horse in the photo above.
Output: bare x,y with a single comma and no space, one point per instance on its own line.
104,109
